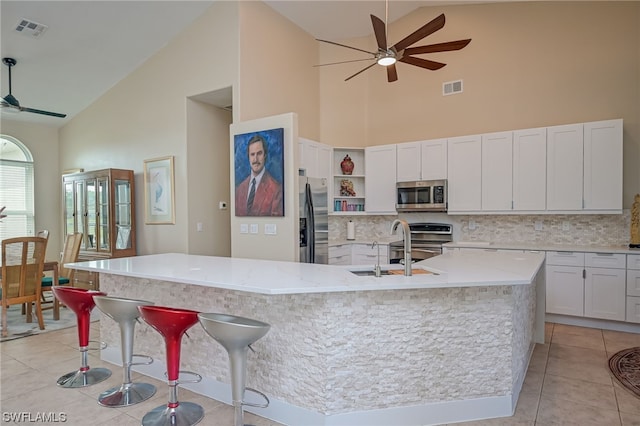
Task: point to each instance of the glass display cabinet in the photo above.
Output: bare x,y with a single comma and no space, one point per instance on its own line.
101,205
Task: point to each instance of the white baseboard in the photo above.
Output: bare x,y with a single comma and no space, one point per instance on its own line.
593,323
282,412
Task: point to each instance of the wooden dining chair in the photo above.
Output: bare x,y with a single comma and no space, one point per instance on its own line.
22,264
65,275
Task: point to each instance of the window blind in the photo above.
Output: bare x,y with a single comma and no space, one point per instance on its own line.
16,193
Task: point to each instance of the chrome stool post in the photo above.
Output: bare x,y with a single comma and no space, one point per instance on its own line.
125,313
80,301
236,334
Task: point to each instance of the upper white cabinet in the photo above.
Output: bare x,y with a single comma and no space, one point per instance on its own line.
497,171
603,165
584,167
423,160
530,169
464,173
315,158
564,167
380,182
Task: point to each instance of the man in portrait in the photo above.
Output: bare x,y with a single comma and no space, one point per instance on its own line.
260,194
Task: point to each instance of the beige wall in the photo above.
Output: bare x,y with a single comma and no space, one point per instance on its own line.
529,64
42,141
145,116
276,69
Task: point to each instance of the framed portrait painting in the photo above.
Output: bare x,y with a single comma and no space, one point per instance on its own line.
259,173
159,198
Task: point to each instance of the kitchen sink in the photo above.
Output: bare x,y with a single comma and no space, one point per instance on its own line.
369,272
383,272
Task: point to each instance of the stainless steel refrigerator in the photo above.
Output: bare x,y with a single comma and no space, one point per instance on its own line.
314,220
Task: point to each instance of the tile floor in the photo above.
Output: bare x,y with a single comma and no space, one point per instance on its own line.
568,383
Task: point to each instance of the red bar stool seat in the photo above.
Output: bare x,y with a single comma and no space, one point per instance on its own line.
172,323
81,302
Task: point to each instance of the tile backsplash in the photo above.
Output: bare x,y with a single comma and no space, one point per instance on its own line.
583,230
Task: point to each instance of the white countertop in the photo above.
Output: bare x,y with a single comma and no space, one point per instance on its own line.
458,269
542,247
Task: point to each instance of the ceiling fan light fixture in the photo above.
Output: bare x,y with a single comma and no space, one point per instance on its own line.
387,60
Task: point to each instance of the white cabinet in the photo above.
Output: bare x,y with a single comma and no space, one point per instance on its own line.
422,160
464,173
340,254
497,171
315,158
348,189
604,286
603,165
530,169
586,284
564,167
366,254
380,183
584,167
633,288
565,283
358,254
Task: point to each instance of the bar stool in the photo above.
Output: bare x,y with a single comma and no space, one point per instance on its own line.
125,313
236,334
172,323
81,302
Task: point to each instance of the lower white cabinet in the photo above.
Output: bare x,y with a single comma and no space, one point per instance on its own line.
565,290
633,288
592,285
340,254
358,254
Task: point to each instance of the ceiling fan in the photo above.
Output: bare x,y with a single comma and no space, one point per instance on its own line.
11,102
387,56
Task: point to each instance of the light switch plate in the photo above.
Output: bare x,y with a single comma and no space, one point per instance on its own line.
270,229
253,228
244,228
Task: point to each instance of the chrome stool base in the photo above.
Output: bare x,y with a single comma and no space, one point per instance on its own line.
80,379
126,394
185,414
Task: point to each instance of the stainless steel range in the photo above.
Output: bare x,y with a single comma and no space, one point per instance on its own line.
426,242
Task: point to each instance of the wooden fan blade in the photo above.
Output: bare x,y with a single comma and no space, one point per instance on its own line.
422,63
439,47
362,70
348,47
392,73
379,31
420,33
344,62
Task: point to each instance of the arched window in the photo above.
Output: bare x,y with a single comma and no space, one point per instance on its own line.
16,188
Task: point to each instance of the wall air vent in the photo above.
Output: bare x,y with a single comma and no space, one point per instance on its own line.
30,28
451,87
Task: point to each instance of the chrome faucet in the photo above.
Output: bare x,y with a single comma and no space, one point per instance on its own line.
376,268
406,233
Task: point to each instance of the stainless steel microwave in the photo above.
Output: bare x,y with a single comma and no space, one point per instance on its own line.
421,196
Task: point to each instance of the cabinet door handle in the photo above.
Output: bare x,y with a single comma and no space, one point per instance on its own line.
584,274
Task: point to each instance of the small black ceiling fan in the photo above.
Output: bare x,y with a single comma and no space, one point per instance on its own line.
10,101
387,56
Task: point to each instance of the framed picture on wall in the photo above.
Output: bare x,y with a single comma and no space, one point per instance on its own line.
259,173
159,198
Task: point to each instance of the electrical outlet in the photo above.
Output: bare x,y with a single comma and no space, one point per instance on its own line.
566,226
244,228
472,225
253,228
538,225
270,229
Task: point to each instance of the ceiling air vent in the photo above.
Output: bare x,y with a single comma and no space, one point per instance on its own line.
451,87
30,28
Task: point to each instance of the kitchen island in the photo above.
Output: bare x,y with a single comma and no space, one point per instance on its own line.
447,345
